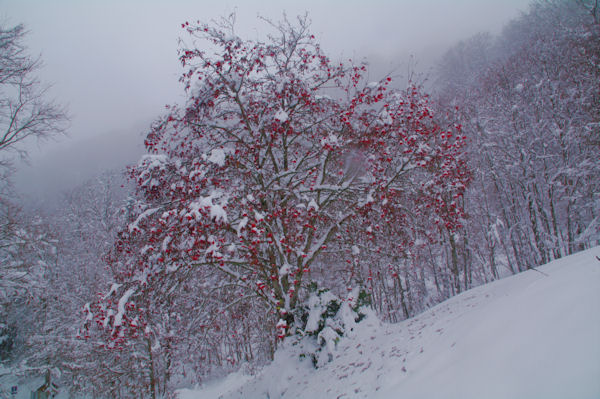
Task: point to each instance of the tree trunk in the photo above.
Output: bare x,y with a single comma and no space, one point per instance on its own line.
454,263
151,366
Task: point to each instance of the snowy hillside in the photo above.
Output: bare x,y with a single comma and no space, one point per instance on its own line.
533,335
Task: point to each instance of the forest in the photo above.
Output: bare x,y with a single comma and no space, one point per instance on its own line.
289,192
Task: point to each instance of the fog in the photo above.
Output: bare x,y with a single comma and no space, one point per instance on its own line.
114,64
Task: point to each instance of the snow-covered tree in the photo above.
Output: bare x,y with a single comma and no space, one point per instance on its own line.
85,223
530,104
25,245
27,251
55,262
278,161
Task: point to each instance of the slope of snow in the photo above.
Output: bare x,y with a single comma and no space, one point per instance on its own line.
533,335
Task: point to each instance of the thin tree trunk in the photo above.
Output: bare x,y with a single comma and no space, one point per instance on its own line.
151,365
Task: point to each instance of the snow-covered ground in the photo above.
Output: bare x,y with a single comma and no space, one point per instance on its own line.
533,335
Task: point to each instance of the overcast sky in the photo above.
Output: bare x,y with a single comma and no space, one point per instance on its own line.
114,63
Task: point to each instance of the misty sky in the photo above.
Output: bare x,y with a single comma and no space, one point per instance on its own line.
114,63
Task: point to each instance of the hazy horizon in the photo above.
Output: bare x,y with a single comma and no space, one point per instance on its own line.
114,65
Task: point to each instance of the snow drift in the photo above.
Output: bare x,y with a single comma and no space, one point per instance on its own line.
532,335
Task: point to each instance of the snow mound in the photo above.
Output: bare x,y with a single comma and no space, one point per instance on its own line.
533,335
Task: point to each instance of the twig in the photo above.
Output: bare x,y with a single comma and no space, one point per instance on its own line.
539,271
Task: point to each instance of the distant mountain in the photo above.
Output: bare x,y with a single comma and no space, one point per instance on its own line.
58,167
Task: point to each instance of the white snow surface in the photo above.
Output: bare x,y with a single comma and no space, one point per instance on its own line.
121,306
281,116
217,156
217,212
532,335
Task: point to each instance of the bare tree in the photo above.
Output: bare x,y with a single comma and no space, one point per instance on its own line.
25,110
27,250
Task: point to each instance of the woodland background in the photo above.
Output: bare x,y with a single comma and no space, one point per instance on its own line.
519,188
